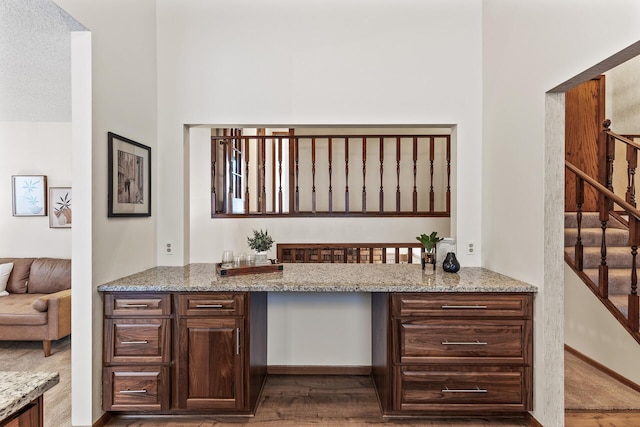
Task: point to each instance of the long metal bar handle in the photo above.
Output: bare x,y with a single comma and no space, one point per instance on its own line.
134,342
134,305
127,391
208,305
237,341
464,390
482,307
476,342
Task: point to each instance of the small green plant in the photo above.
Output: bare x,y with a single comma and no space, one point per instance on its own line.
261,241
429,241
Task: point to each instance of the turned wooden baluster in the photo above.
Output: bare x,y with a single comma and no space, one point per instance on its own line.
381,170
346,175
398,174
330,187
313,175
603,268
448,142
297,195
280,174
263,176
634,300
246,175
214,161
432,156
415,172
364,175
632,165
410,255
611,155
579,256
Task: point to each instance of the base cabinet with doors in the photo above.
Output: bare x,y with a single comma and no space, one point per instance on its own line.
443,353
175,352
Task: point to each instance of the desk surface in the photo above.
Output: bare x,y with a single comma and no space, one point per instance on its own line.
319,278
18,389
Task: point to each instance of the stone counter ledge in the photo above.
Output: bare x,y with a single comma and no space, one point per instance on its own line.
18,389
319,278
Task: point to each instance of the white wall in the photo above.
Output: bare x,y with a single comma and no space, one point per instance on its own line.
593,331
32,148
529,48
124,102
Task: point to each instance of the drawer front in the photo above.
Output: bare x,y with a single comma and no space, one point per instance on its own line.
462,305
211,304
453,341
136,388
137,341
137,304
453,388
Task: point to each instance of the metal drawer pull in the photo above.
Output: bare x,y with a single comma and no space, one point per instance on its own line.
208,305
464,390
127,391
476,342
483,307
134,342
134,305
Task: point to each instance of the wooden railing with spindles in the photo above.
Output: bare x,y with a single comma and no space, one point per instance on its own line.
611,205
288,175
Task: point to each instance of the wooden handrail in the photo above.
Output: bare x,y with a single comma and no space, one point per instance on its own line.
631,210
621,138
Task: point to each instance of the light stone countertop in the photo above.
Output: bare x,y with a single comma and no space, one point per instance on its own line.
18,389
319,278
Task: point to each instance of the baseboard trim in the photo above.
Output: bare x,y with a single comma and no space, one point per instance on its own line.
531,420
103,420
602,368
318,370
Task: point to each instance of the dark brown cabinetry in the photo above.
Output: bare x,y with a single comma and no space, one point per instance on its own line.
444,353
31,415
172,353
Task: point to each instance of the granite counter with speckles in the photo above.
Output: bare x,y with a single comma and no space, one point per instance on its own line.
18,389
319,278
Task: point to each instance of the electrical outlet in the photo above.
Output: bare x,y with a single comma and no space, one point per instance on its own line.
168,247
471,247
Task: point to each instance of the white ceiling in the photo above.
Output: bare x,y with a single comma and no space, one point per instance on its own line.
35,61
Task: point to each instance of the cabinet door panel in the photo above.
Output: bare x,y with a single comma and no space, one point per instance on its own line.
210,370
477,341
131,388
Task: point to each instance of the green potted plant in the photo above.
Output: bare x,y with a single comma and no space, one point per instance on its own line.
429,242
261,242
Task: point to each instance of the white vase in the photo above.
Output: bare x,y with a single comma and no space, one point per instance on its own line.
261,258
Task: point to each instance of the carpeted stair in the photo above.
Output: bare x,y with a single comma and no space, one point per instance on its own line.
618,253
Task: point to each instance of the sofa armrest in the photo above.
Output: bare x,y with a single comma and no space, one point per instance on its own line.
59,314
42,303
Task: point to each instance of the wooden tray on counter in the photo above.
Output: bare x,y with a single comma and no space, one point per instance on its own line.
247,269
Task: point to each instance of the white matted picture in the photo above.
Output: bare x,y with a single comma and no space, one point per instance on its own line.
60,212
129,177
29,195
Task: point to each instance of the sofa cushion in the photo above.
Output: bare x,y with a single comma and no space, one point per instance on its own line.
19,277
5,271
49,275
16,310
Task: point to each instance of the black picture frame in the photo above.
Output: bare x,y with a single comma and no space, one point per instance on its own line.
129,192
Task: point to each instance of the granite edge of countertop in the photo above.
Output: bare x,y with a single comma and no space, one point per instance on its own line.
18,389
202,277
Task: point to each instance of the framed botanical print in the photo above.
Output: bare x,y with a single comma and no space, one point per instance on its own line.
129,192
60,208
29,195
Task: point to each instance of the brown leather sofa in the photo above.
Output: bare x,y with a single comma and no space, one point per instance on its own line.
38,307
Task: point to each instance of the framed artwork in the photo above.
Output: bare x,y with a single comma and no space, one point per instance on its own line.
29,195
60,208
129,192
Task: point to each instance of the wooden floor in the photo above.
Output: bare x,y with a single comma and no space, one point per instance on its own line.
602,419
